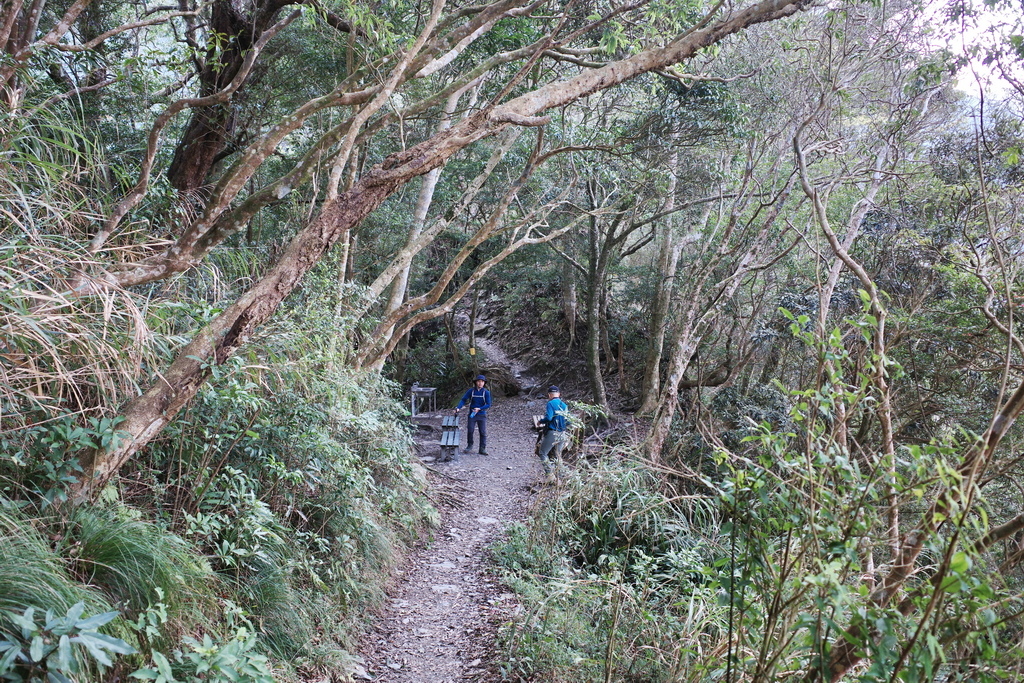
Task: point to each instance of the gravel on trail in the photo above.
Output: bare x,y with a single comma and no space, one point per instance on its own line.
440,618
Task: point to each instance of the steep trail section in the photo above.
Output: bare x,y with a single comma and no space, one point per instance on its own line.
439,622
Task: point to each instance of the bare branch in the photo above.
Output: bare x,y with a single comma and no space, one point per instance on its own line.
75,93
95,42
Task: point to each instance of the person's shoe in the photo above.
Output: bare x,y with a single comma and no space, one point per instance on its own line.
484,453
467,451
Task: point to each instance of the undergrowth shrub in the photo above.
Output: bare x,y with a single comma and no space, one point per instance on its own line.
301,496
611,572
781,564
58,648
55,624
248,539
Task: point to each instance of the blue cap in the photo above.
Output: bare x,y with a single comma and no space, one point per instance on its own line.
481,377
553,389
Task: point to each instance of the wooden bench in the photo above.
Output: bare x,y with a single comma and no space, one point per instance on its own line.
449,437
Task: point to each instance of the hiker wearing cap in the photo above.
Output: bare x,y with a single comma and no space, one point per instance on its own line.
556,423
478,398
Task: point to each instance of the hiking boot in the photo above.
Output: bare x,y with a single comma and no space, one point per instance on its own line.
467,451
484,453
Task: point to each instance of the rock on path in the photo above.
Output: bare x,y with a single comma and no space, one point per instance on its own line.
439,622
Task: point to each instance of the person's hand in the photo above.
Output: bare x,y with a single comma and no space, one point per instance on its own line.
456,411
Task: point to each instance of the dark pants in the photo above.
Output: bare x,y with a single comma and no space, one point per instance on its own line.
480,421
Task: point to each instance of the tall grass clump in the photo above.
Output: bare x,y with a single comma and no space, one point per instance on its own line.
138,564
59,352
33,574
42,600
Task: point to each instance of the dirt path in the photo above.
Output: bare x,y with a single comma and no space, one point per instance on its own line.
440,620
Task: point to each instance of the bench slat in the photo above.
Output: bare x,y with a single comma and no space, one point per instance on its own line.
450,421
450,438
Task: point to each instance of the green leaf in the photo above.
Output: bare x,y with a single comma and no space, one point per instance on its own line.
75,613
960,563
113,644
35,650
95,622
7,661
25,621
1012,155
64,653
162,665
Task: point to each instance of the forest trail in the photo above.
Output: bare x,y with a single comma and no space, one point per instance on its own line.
439,620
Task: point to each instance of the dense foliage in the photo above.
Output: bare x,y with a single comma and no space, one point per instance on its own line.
775,245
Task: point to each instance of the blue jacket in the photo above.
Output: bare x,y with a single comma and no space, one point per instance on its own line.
556,417
476,398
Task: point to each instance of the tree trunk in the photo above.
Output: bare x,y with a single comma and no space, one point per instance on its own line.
595,275
401,358
668,261
606,343
694,323
684,350
597,389
450,345
145,416
350,261
472,332
569,303
202,142
623,384
19,27
340,293
400,286
209,128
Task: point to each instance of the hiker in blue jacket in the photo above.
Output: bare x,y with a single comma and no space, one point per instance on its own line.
479,400
555,422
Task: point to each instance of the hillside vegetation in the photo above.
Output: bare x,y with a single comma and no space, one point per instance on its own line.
774,249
